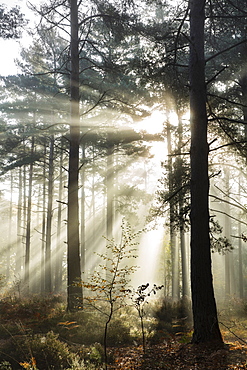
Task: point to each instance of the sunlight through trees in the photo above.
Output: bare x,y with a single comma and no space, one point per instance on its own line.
130,110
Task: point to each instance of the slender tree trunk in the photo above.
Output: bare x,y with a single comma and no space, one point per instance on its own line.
28,232
206,328
42,282
109,189
19,251
173,241
73,254
10,238
25,200
227,230
83,223
240,251
109,200
185,286
36,271
59,243
48,280
94,236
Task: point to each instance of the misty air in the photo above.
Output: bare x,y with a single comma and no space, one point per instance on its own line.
123,150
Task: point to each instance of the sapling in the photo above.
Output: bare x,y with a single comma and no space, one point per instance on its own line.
109,285
140,299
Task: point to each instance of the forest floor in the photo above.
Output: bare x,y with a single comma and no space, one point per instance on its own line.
21,319
181,356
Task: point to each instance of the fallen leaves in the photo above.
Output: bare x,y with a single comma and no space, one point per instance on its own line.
179,356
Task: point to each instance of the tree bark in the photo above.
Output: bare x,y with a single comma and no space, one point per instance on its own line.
28,231
109,188
73,255
48,280
227,229
206,328
184,269
240,250
172,211
83,219
42,262
10,239
19,251
59,243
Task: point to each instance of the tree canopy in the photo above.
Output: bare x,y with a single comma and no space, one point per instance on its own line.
75,153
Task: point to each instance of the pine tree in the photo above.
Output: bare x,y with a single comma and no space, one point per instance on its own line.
206,327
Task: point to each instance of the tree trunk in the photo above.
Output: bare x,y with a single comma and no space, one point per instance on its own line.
19,251
73,255
227,230
240,250
173,241
10,238
109,189
48,280
42,262
28,231
206,328
93,207
59,243
185,285
83,221
109,199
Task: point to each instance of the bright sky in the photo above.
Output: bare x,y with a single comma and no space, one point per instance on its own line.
10,48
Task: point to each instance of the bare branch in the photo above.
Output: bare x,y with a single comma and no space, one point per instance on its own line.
225,50
227,214
228,100
95,105
216,75
228,144
228,202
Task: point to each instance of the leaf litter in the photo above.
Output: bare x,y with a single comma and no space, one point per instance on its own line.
174,355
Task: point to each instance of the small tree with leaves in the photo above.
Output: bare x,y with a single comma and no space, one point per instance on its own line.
139,299
109,285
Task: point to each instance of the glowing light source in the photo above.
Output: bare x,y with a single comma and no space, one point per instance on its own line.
150,251
153,124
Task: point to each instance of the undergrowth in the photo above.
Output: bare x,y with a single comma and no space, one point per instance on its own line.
38,333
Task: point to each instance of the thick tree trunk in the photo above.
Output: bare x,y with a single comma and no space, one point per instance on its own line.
206,328
73,255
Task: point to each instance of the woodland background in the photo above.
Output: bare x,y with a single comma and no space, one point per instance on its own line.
102,130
